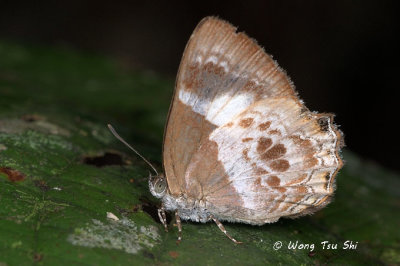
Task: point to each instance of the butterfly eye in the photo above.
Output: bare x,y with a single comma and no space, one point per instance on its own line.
160,186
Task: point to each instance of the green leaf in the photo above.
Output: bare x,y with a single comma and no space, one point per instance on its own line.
61,171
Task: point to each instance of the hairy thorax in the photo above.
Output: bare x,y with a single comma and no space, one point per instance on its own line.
188,209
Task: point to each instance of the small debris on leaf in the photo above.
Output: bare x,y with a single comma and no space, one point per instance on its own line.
12,175
112,216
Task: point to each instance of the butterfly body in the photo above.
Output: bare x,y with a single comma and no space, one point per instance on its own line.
188,209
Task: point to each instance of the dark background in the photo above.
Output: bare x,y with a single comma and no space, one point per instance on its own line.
342,55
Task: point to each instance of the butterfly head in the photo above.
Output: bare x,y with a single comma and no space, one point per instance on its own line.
158,185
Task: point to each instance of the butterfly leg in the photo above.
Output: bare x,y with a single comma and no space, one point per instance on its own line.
179,224
163,217
222,228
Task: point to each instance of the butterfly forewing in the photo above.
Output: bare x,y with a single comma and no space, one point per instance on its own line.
238,137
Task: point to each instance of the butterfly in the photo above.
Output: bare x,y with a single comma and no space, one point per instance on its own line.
239,144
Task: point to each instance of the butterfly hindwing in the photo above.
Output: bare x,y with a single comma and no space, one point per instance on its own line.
277,159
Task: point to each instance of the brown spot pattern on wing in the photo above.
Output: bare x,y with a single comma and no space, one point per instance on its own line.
246,122
275,132
192,78
280,165
301,189
275,152
264,126
246,154
273,181
210,67
260,171
263,144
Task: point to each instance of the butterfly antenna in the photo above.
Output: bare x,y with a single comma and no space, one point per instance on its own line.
130,147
